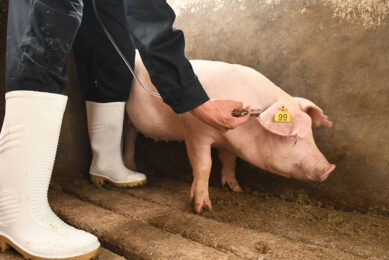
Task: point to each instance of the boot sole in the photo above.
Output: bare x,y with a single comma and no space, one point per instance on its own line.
5,244
99,181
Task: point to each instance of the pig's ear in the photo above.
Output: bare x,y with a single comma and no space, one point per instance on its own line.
299,125
315,112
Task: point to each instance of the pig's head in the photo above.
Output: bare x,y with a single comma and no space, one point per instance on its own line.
290,148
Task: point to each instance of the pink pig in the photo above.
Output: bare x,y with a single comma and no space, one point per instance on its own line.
284,148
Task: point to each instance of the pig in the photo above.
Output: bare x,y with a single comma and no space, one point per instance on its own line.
284,148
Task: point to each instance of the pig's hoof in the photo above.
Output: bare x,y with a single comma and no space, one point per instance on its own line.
199,206
232,184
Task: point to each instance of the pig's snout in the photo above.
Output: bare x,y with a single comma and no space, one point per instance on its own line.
317,168
324,176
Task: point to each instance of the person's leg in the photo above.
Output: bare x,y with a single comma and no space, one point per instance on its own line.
102,73
40,34
106,81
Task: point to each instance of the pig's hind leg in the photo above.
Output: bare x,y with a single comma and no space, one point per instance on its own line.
228,161
199,153
129,136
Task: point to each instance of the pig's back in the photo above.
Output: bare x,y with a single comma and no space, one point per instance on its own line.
236,82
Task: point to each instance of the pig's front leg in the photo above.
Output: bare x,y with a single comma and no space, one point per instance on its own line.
199,152
228,161
129,136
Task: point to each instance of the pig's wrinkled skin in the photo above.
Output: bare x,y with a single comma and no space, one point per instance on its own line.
287,149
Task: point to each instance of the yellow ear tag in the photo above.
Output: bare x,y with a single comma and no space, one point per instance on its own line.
282,116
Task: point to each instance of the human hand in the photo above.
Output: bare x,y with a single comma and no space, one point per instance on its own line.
217,113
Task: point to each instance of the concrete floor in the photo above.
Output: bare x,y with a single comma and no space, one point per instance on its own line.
157,222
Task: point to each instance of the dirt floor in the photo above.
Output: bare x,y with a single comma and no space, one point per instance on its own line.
157,222
248,225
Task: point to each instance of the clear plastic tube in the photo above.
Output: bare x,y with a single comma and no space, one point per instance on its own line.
120,52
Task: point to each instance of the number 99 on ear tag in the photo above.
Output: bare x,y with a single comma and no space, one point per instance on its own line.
282,116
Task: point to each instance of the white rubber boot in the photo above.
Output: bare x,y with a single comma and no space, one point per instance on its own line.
28,145
105,127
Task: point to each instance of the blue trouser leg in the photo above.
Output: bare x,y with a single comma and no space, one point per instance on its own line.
102,74
40,34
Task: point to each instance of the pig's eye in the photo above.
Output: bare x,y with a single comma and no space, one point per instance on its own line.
289,139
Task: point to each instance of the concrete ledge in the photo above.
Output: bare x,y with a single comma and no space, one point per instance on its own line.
129,237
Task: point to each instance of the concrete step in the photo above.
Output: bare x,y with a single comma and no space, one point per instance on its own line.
129,237
242,229
103,255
